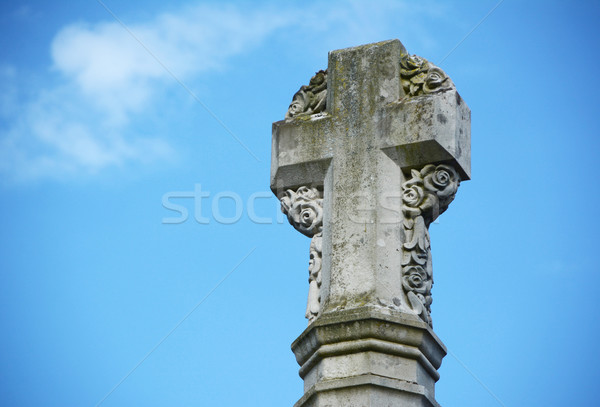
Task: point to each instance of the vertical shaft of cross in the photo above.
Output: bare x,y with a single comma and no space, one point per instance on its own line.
363,268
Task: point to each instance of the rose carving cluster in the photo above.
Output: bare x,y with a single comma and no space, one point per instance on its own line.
304,210
425,196
421,77
311,98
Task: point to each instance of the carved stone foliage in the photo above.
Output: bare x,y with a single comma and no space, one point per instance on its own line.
421,77
311,98
304,210
425,196
313,306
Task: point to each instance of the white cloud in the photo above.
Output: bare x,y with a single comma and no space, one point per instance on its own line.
117,71
79,125
56,135
83,124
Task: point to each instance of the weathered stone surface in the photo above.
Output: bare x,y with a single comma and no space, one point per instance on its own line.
357,348
382,157
428,129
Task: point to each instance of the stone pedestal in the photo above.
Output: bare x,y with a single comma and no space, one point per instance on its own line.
368,358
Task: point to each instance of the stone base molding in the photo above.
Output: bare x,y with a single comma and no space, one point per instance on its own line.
368,357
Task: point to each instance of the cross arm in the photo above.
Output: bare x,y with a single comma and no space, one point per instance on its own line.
301,152
428,129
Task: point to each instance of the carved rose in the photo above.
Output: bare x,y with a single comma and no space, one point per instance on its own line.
413,195
414,61
412,65
304,209
418,198
435,81
443,180
311,98
311,215
415,279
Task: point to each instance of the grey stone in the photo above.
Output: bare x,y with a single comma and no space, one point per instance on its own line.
369,154
388,357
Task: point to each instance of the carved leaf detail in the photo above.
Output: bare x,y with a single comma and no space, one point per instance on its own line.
313,305
304,210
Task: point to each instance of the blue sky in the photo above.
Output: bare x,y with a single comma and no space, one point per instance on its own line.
95,132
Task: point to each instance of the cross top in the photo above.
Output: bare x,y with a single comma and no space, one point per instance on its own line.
370,153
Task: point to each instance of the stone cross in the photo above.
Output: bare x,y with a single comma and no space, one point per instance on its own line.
369,154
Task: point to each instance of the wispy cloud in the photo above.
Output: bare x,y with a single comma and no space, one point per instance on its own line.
103,79
109,65
59,133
